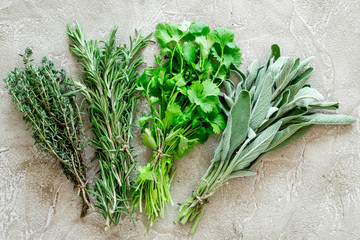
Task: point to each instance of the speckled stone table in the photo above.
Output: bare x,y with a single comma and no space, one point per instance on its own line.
309,190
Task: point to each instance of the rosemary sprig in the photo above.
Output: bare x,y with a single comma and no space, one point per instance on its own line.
44,95
109,86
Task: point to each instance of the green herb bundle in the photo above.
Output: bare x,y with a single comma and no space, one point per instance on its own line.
109,86
271,108
44,95
183,93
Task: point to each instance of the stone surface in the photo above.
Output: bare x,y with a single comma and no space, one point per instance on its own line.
309,190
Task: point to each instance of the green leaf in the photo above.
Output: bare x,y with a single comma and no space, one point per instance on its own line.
299,82
154,100
262,105
146,173
198,29
324,105
148,139
306,96
205,43
252,73
216,128
283,79
275,51
204,95
320,118
258,146
172,114
210,88
141,121
241,173
185,146
167,33
288,136
237,125
232,55
189,52
184,26
223,36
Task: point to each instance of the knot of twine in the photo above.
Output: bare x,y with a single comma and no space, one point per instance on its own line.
125,148
82,186
159,155
202,199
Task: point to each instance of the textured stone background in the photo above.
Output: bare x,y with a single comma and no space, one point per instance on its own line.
310,190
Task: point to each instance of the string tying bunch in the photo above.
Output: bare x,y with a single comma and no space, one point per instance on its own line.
160,155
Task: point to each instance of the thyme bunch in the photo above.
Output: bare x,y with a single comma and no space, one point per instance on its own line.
50,109
109,87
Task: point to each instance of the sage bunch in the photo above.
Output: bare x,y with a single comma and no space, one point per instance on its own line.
109,87
270,108
43,94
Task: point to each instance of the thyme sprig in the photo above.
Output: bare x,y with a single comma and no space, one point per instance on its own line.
50,109
108,87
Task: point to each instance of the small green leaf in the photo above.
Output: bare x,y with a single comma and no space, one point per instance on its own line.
205,43
141,121
148,139
275,51
185,146
198,29
146,173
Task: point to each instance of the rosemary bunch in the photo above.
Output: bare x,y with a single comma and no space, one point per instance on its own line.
109,86
271,108
50,109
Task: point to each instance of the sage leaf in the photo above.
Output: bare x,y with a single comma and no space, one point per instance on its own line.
238,124
259,145
262,104
241,173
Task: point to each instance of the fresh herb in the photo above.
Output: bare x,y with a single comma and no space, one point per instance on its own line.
183,93
271,108
44,95
109,86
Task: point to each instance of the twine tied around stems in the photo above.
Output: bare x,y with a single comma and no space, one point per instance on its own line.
202,199
82,187
159,155
125,147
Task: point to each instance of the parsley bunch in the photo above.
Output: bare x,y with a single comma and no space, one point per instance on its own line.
50,109
109,87
184,97
271,108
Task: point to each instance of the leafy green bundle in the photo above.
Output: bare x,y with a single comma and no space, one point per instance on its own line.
183,92
44,95
271,108
109,86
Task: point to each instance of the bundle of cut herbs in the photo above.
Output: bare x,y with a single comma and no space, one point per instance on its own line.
183,93
51,111
270,108
108,87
